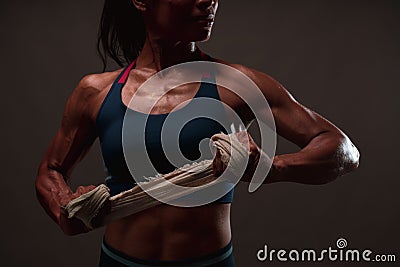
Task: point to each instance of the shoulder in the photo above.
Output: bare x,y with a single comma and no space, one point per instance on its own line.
88,95
270,87
94,84
260,78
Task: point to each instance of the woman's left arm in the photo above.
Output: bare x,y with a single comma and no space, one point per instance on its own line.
326,151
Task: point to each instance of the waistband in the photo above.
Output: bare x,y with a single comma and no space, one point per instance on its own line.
198,261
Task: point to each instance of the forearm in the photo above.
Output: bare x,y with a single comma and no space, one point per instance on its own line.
52,191
326,157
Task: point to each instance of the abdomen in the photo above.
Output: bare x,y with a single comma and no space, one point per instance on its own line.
172,233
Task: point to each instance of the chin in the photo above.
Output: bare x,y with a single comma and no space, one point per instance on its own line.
201,36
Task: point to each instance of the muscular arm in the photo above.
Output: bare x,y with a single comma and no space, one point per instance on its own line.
326,152
71,143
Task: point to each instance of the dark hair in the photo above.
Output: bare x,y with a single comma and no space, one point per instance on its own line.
121,32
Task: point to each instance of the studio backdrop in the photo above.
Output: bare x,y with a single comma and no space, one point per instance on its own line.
339,58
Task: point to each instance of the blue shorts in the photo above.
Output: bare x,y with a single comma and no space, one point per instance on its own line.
111,257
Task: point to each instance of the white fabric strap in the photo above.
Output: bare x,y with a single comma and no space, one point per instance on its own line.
96,208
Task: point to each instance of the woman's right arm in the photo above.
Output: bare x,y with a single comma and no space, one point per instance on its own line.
71,143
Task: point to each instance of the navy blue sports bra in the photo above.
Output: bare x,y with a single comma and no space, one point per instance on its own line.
110,121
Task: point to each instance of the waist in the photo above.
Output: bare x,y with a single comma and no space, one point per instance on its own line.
110,255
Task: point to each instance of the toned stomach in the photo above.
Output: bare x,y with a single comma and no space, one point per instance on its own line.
172,233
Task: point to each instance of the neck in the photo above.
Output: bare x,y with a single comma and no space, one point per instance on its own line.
158,53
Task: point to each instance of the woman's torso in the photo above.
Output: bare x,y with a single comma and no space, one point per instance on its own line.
165,232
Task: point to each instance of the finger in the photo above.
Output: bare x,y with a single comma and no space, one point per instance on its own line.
84,189
80,190
243,138
90,187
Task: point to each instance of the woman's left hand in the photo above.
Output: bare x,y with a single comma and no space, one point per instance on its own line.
254,155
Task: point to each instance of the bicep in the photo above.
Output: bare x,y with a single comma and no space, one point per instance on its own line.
293,121
298,123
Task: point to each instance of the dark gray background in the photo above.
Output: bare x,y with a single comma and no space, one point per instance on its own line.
339,58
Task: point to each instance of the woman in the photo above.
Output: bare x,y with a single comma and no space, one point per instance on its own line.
153,35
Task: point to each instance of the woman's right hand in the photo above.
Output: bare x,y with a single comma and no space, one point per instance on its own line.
73,226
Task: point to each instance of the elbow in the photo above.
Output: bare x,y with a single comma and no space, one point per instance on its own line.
347,157
353,163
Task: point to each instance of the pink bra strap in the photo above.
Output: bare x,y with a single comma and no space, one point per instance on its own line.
124,76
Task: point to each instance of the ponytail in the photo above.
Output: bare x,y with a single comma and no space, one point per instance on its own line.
121,32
